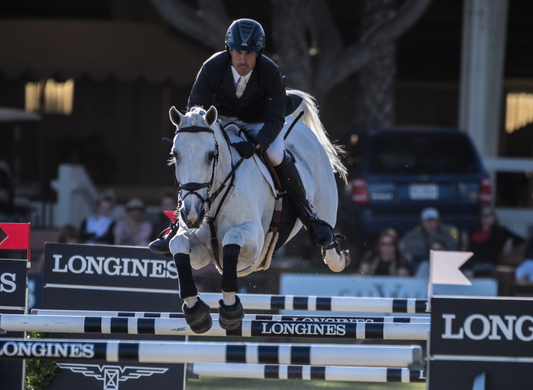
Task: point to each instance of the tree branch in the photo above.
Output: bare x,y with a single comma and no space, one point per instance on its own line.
202,26
364,51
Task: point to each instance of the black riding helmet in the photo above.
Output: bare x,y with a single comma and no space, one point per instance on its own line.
246,35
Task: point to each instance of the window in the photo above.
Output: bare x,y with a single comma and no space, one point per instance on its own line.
422,154
50,97
519,111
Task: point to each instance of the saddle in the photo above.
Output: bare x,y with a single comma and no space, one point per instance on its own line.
285,213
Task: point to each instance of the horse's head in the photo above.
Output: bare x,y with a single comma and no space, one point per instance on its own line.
195,154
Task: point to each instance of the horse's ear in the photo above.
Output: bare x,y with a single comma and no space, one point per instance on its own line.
211,116
175,116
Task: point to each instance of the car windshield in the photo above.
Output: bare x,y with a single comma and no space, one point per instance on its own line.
422,154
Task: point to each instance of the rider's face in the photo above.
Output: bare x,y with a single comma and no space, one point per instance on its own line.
243,61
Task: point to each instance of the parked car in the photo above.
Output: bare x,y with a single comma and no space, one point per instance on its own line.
395,173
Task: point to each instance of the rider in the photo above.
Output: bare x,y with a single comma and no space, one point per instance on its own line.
248,90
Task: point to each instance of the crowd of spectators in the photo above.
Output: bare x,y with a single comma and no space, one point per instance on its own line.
491,244
133,229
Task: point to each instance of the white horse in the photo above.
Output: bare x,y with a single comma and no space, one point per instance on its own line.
227,203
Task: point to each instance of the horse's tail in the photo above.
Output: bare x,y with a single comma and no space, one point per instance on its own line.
312,120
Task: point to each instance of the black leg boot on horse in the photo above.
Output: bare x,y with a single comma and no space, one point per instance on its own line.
195,310
230,310
320,232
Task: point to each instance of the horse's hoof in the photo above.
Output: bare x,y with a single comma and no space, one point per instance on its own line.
198,317
347,257
230,317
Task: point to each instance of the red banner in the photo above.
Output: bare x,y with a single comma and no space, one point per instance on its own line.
15,236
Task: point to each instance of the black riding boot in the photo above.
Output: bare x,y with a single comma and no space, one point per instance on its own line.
161,245
320,232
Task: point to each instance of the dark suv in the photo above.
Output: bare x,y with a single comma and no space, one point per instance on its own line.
395,173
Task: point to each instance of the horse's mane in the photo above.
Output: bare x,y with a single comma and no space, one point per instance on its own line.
312,120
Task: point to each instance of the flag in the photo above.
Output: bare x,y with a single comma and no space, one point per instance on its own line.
444,267
15,236
170,214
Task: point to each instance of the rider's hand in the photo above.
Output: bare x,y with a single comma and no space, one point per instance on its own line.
245,148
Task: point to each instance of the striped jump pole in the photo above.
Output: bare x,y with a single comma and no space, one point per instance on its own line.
178,326
325,373
315,303
261,317
201,352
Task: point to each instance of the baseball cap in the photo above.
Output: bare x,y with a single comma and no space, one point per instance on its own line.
429,212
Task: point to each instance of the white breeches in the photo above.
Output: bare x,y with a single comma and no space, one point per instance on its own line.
276,149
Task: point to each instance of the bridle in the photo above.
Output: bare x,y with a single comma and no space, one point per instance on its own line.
192,187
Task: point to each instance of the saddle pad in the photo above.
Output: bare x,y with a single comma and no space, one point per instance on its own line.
233,134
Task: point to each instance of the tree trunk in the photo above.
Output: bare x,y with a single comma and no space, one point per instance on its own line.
374,104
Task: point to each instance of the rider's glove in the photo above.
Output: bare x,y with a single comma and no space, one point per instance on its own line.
245,148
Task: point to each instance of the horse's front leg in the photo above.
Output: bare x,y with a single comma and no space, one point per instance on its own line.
195,310
230,308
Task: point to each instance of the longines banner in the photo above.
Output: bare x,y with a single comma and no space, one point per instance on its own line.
119,278
12,284
112,266
464,375
12,300
484,327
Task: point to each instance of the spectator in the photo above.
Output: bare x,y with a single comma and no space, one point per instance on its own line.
423,269
98,228
524,273
67,234
386,258
488,241
415,244
132,230
167,203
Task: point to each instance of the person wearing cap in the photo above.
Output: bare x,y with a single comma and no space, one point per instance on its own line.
416,243
132,230
247,89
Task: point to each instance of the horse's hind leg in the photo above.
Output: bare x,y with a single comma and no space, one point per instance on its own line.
230,310
195,310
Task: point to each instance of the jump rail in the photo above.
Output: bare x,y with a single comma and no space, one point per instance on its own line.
315,303
178,326
327,373
201,352
259,317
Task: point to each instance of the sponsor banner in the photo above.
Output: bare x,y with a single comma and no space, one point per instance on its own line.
501,327
92,277
472,375
110,376
12,284
111,266
51,349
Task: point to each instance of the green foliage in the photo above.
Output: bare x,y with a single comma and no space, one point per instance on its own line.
39,373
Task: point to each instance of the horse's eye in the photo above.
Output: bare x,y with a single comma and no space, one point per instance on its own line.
210,156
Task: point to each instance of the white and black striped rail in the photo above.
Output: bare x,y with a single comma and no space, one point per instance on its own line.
326,373
201,352
260,317
315,303
178,326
